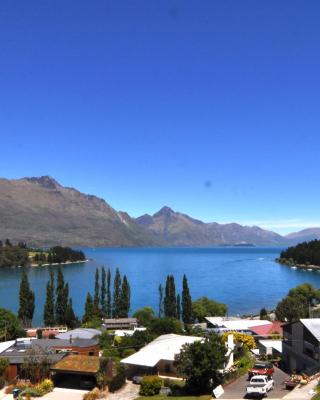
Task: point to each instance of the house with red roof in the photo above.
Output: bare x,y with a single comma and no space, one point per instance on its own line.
275,328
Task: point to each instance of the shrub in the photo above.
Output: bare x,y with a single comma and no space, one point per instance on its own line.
93,395
117,381
45,386
150,385
2,382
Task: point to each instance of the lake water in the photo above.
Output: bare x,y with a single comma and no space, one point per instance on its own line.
246,279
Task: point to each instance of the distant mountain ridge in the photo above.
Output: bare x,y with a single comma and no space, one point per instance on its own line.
181,230
42,212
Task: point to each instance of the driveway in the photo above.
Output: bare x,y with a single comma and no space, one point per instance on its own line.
64,394
129,392
237,389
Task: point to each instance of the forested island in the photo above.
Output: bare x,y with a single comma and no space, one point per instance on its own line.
14,255
306,254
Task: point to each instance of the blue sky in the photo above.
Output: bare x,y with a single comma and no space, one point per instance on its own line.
209,107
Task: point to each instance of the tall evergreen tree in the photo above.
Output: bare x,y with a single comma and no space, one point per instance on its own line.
62,295
71,319
48,312
96,300
125,298
103,293
109,305
160,301
186,302
170,301
88,309
116,295
178,307
26,301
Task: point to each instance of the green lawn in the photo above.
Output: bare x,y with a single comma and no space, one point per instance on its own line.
163,397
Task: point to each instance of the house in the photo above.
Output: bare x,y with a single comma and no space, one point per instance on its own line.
51,349
119,323
157,357
46,332
268,330
222,324
79,333
128,332
301,345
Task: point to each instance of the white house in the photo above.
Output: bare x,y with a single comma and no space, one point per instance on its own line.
157,357
236,325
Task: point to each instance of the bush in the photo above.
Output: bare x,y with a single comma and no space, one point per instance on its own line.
93,395
2,382
150,385
45,386
117,381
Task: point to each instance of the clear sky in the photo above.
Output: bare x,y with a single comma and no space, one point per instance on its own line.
210,107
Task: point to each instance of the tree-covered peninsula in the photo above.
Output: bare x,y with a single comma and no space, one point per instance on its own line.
14,255
306,253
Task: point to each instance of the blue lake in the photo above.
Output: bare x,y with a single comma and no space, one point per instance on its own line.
246,279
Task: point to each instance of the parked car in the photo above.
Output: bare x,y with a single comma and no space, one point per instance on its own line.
261,368
137,379
260,385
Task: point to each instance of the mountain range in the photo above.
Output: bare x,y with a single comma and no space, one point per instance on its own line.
42,212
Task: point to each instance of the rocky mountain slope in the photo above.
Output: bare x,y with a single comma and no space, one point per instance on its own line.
42,212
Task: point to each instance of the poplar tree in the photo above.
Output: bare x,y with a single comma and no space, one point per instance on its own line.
116,295
26,301
170,301
160,301
125,298
71,319
186,302
103,293
178,307
62,295
48,311
109,305
88,309
96,300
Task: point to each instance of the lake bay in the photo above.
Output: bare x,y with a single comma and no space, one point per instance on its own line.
246,279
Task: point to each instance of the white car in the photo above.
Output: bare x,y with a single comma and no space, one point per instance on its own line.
260,385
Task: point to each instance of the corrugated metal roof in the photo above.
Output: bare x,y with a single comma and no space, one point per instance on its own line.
313,325
241,324
79,333
165,347
274,344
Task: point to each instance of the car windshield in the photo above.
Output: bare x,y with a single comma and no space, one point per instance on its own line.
260,366
257,380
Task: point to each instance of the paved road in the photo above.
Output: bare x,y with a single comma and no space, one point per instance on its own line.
237,389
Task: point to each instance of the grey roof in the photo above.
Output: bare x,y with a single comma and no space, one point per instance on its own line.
79,333
18,351
313,325
47,343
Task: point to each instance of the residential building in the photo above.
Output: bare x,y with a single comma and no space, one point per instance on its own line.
268,330
301,345
51,349
222,324
119,323
158,356
79,333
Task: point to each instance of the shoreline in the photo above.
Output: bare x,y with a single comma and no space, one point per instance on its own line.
63,263
291,264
